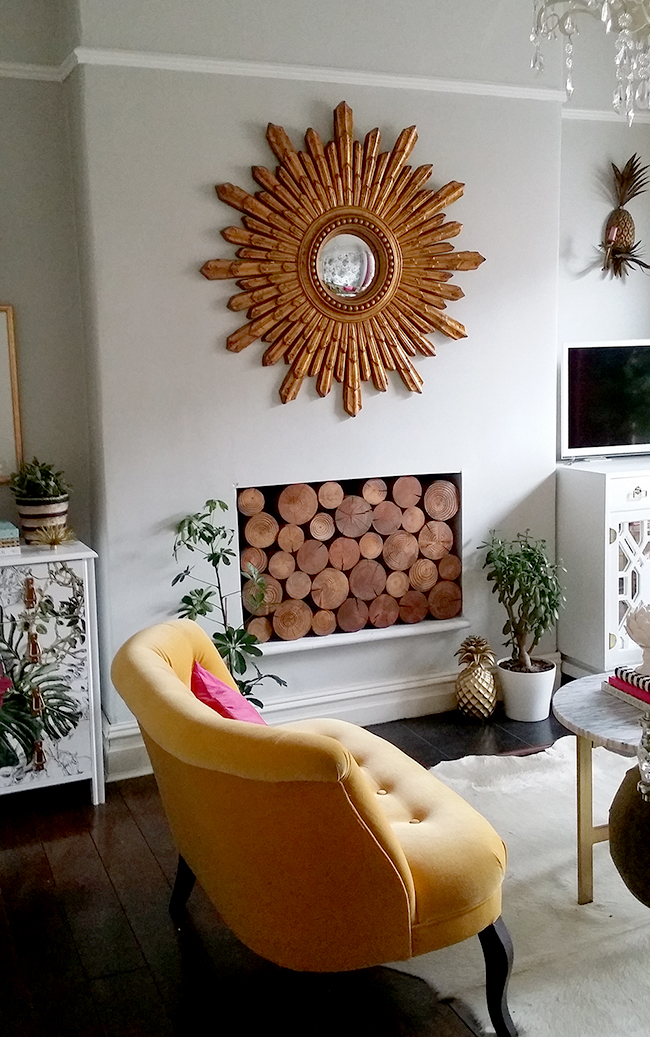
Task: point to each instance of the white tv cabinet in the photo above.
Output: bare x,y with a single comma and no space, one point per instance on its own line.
603,539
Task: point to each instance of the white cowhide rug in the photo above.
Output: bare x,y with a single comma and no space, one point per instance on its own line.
580,970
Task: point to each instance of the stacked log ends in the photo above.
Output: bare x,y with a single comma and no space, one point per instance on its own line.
330,495
323,622
344,553
261,530
340,556
254,556
322,526
290,538
442,500
445,600
374,491
383,611
250,501
260,627
292,619
298,503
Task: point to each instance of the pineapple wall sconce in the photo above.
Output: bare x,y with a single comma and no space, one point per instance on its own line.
344,260
622,252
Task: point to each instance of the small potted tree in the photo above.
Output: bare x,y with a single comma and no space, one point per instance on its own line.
528,587
42,496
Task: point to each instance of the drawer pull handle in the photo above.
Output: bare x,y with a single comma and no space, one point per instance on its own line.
638,492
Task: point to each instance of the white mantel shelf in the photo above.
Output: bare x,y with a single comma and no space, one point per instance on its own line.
365,636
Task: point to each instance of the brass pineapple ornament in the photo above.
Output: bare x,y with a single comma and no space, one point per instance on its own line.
620,248
476,689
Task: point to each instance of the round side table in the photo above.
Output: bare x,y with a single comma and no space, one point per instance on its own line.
597,718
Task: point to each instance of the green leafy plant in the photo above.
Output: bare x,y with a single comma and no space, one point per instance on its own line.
528,587
201,533
39,481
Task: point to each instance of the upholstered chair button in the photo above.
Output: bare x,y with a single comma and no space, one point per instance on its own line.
382,792
414,821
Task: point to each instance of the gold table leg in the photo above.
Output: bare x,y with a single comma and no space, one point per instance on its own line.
588,833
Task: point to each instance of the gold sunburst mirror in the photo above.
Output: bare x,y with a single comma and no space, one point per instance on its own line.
343,261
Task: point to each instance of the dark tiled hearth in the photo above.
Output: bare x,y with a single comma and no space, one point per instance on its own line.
89,950
449,736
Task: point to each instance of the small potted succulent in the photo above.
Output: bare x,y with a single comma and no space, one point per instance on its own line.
528,587
42,496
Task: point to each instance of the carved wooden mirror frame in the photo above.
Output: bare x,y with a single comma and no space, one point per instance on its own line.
343,187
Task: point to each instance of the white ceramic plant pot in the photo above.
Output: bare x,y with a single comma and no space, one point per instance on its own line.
526,696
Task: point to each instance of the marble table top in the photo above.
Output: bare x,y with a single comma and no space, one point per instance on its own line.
584,708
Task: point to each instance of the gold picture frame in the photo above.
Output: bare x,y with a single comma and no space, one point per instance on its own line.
335,211
11,439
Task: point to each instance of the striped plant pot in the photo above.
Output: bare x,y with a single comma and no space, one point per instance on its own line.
35,513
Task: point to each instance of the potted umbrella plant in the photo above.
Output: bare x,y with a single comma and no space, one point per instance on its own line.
528,586
42,496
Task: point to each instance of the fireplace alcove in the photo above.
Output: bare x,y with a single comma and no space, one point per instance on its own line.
353,560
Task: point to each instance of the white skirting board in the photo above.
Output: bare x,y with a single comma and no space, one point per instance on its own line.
126,756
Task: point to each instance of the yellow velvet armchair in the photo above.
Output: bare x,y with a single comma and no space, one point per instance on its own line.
323,847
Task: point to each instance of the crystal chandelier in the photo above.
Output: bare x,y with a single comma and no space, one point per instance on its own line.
553,19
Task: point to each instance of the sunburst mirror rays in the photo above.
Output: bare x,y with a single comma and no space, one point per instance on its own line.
343,260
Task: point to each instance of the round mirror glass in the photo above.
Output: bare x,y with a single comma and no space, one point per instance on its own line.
346,265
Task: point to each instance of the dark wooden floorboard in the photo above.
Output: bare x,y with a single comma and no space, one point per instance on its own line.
88,949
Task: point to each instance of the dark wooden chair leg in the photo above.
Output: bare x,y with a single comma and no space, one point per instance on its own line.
497,951
183,886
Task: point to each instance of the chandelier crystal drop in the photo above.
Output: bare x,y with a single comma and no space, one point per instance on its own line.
630,19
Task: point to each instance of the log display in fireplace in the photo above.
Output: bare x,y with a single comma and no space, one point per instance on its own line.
340,556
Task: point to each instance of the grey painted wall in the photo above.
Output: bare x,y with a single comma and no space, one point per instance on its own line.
155,405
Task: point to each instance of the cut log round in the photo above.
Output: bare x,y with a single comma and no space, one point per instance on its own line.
353,516
413,607
352,615
298,585
292,619
261,530
271,600
413,519
371,545
423,574
441,500
374,491
281,565
329,589
253,556
312,557
323,622
400,550
260,627
344,553
250,501
367,579
383,611
298,503
397,584
450,567
445,600
290,538
330,495
322,526
386,518
407,491
436,539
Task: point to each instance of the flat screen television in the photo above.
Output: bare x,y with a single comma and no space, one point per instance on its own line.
605,398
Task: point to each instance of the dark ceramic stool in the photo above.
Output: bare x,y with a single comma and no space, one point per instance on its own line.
629,834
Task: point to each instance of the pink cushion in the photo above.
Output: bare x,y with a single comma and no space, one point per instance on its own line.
222,698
